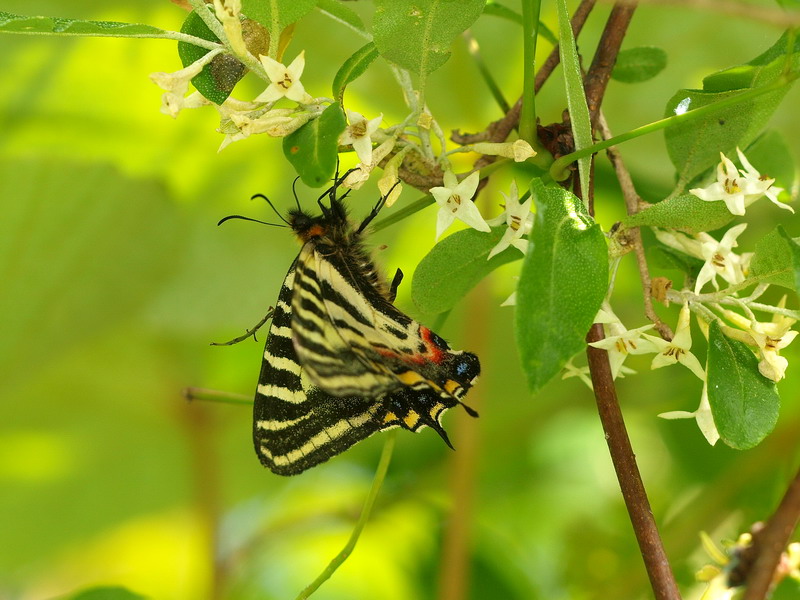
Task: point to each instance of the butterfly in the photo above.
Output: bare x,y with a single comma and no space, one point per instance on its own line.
341,362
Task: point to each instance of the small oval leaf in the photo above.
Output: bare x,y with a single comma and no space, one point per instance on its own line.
635,65
454,266
353,68
313,148
563,282
743,402
685,212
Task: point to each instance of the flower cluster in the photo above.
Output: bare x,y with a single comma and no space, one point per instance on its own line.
739,188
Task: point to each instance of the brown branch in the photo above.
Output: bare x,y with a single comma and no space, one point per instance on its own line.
770,542
658,568
605,57
632,205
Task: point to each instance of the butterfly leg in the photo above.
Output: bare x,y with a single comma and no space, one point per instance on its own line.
398,277
249,332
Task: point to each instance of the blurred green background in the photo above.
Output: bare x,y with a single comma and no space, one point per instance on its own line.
115,279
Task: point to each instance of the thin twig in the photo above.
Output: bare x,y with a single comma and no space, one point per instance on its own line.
377,482
605,57
632,203
658,568
770,543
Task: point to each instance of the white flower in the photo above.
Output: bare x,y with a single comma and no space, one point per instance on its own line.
177,84
720,260
358,134
455,202
752,175
285,80
703,416
678,350
228,12
620,342
519,219
582,373
771,337
519,150
738,191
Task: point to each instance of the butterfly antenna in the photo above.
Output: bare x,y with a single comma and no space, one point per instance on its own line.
228,218
294,192
272,206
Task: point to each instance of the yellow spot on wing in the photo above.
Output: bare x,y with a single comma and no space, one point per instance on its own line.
411,420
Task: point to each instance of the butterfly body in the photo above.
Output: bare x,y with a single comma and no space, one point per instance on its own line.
341,362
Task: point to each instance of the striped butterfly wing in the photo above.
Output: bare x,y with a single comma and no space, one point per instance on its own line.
296,424
341,363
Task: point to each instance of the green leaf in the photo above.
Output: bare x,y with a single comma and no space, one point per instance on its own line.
743,402
12,23
454,266
694,145
218,78
563,282
776,260
277,15
576,96
685,212
82,248
107,593
417,34
313,148
353,68
339,12
760,70
635,65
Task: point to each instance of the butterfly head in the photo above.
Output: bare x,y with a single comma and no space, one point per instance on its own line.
307,227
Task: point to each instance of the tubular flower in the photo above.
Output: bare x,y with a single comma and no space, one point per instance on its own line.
519,219
455,202
739,188
285,80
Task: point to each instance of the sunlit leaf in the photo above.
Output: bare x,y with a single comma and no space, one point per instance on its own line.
313,148
743,402
563,282
454,266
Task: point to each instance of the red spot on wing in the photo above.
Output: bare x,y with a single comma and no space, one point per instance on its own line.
435,353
